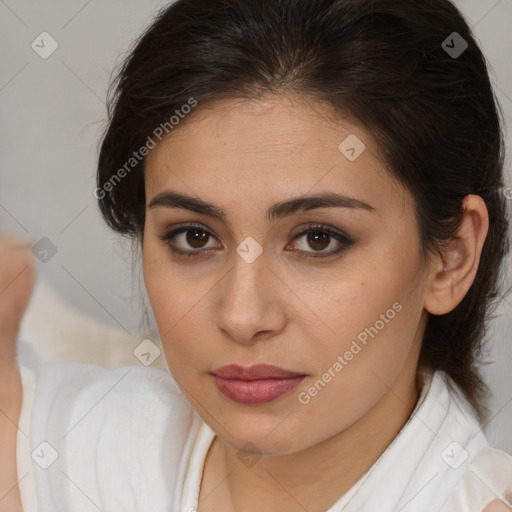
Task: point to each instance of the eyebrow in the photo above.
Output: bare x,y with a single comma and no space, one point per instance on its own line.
279,210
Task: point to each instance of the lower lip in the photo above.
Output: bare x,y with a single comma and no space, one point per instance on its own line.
254,392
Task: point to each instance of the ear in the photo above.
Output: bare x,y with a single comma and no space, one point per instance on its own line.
452,275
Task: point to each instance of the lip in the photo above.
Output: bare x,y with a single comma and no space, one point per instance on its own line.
254,385
255,372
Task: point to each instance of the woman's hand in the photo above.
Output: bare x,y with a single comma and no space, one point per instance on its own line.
17,278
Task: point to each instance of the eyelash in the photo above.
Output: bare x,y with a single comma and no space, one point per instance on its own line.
338,236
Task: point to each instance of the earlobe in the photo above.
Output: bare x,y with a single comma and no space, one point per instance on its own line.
453,274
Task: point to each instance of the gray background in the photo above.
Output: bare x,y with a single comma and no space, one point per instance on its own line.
53,114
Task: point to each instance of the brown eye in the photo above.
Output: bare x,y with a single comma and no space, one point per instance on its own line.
191,240
196,238
319,238
188,240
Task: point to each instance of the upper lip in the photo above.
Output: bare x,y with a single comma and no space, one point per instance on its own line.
255,372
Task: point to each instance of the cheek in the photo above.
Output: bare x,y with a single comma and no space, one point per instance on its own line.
179,304
349,371
362,325
374,323
341,311
164,291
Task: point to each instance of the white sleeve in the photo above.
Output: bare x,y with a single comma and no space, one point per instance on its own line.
95,438
485,486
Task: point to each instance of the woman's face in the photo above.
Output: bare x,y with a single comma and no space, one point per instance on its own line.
343,310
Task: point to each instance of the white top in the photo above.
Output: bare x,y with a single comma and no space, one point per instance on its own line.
93,438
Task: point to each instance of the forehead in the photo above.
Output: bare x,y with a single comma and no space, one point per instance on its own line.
267,148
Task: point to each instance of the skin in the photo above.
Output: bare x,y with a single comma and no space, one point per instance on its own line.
17,277
296,313
497,506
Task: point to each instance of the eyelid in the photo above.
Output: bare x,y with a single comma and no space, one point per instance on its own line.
305,228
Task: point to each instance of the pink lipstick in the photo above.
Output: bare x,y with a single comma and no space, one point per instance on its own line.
254,385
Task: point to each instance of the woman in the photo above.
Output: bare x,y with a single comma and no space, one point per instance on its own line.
316,190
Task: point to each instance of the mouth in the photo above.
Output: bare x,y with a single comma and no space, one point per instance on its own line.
257,384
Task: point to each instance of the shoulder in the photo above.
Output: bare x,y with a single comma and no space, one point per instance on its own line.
483,483
62,384
442,449
68,393
110,431
485,486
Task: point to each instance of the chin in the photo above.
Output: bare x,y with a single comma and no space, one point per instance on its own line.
265,435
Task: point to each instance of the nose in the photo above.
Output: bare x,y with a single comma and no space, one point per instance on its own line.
251,302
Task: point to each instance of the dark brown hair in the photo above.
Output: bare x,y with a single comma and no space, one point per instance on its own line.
382,62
